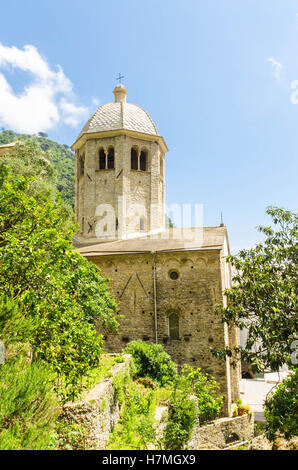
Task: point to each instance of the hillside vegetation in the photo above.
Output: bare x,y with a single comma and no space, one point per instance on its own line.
60,155
51,299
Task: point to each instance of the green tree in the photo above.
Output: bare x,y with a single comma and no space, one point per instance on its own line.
59,156
29,160
263,298
281,409
61,293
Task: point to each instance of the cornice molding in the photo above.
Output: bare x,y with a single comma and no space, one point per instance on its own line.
105,134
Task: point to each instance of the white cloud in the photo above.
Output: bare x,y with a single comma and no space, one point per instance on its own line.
46,102
95,102
72,114
277,67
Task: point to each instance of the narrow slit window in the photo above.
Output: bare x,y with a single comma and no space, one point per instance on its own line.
174,326
81,166
143,161
134,159
111,158
161,166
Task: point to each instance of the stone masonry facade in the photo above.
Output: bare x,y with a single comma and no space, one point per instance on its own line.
192,297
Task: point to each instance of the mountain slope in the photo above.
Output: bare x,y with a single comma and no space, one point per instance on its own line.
60,155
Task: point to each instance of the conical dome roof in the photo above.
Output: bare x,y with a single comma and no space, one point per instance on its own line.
120,115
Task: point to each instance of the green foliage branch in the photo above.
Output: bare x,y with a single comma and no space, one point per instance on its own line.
263,298
151,360
281,409
61,294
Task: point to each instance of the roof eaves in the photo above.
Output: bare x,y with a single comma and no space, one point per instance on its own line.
176,250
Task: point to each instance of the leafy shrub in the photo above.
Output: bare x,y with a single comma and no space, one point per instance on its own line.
151,360
28,408
137,402
69,436
135,429
118,359
209,402
145,430
181,420
119,386
206,390
183,409
281,409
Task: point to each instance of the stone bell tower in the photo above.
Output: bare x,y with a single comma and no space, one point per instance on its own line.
119,173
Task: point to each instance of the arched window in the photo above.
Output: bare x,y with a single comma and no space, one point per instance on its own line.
143,160
81,165
134,159
174,326
102,159
111,157
142,223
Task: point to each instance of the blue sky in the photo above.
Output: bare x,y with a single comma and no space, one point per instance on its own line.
214,75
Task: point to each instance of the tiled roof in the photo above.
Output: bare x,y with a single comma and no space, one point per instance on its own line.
114,116
199,238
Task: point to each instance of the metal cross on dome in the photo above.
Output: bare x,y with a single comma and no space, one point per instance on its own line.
119,77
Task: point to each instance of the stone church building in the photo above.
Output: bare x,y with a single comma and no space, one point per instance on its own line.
166,281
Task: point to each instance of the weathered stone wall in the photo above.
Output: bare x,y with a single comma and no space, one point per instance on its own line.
192,296
222,432
98,412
